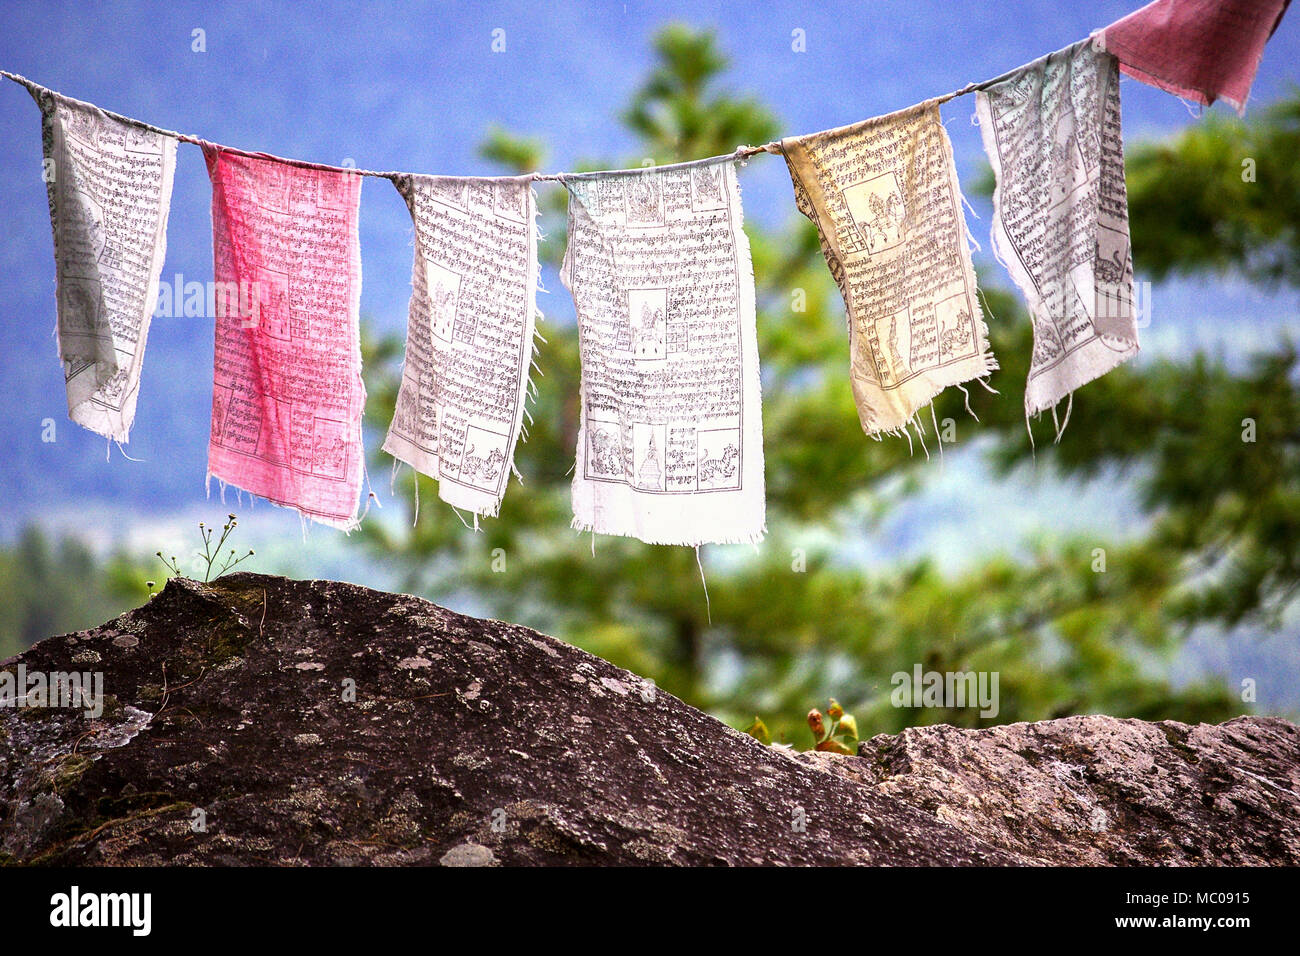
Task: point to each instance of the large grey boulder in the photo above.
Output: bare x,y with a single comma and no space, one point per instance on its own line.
260,720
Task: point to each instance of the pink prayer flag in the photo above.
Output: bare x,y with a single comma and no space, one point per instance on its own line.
287,394
1201,50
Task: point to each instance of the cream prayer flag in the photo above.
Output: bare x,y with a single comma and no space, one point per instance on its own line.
1198,49
1060,225
287,395
884,196
670,444
109,185
469,336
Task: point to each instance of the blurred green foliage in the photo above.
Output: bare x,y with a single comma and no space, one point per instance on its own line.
1222,196
53,587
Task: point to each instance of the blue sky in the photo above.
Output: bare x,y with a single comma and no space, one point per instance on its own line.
414,86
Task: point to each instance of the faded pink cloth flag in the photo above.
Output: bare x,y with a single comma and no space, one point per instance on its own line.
287,395
1202,50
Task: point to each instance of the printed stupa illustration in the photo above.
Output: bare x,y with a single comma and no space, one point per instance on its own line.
650,466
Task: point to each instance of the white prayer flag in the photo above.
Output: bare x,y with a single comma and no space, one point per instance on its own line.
469,338
109,185
1060,226
670,445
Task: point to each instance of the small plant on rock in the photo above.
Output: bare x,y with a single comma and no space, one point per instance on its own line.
840,736
758,730
211,553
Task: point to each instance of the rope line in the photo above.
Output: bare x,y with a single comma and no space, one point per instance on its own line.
741,152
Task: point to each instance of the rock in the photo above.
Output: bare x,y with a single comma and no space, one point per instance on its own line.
415,735
1103,791
468,854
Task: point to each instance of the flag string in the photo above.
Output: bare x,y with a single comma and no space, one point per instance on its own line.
741,152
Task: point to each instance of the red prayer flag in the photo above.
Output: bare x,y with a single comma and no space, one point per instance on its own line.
1202,50
287,391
